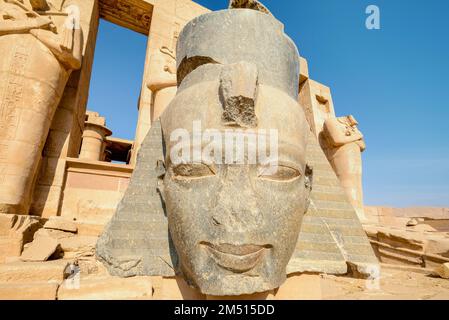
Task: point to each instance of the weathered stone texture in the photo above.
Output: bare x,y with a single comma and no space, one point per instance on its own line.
23,272
40,249
136,240
28,291
331,234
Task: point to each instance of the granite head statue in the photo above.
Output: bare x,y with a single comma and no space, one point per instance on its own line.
236,184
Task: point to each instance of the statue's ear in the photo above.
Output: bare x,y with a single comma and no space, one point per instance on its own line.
308,181
161,168
160,171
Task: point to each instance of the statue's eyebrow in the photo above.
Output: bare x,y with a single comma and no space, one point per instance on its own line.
187,65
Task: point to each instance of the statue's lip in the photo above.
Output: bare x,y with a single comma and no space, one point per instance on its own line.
237,258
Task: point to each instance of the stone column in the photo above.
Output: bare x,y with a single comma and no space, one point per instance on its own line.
39,48
65,135
159,82
94,137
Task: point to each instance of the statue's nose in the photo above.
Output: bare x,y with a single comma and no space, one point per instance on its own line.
236,209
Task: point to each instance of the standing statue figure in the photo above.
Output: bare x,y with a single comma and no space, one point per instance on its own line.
345,146
37,57
162,81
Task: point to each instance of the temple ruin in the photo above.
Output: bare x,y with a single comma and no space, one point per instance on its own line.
55,204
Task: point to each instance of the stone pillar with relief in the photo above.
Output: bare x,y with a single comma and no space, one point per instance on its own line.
38,54
159,80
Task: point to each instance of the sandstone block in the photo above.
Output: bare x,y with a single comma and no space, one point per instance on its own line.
10,247
28,291
438,245
78,246
52,233
40,249
6,223
23,272
57,223
108,288
89,229
443,271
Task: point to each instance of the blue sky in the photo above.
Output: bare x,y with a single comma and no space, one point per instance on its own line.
395,81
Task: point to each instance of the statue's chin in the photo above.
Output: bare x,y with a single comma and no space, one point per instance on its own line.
239,284
227,274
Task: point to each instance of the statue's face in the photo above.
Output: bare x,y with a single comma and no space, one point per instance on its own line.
235,226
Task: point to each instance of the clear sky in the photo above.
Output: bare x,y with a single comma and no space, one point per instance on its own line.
395,81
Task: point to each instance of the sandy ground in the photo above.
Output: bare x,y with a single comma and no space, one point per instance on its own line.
393,285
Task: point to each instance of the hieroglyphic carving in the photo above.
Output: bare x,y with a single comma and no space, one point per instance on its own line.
13,92
132,14
175,36
40,45
3,146
2,174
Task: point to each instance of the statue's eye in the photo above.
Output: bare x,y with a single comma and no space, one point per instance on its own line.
278,173
193,170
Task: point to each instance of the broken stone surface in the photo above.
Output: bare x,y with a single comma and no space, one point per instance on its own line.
238,89
409,246
52,233
40,249
15,233
443,271
79,246
57,223
248,4
23,272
